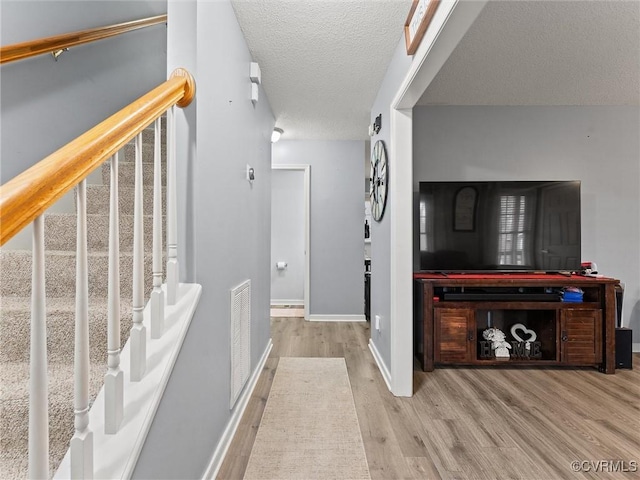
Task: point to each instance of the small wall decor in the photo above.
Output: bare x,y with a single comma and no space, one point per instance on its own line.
418,20
378,180
375,127
464,209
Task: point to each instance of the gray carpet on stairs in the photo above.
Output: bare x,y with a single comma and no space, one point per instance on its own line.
15,311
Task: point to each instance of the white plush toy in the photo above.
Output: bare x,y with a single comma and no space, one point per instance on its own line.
498,342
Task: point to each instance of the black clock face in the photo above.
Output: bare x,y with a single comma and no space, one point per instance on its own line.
378,180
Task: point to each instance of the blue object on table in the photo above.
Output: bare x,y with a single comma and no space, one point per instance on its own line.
572,294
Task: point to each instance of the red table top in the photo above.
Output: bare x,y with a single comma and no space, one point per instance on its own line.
536,276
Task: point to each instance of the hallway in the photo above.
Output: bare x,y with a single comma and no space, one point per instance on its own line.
463,422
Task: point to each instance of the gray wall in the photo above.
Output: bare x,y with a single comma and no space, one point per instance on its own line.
381,231
182,47
337,222
231,227
287,236
43,103
600,146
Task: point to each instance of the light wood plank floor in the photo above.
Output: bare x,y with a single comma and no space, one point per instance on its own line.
466,423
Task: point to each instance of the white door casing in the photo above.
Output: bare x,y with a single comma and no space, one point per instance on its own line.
449,24
287,237
306,169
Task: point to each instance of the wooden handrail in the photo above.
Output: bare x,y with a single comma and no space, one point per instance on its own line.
32,48
28,195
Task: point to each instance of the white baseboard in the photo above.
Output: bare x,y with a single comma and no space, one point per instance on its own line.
279,302
635,348
337,318
381,365
241,404
115,456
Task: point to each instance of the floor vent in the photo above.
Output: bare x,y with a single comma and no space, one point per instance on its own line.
240,329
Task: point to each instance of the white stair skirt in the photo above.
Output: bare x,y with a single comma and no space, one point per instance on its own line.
115,456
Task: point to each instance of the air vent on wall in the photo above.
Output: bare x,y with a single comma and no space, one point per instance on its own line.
240,342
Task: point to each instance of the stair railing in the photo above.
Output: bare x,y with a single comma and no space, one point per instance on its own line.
25,198
59,43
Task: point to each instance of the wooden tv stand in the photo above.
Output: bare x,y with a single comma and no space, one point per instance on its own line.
451,311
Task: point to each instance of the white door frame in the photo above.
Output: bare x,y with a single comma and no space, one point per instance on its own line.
449,24
307,226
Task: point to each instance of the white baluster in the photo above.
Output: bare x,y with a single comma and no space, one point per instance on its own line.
114,378
172,219
138,330
82,442
157,295
38,393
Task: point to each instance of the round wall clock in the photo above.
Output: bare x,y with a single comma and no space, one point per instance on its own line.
378,180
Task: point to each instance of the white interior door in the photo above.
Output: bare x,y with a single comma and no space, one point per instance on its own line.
287,237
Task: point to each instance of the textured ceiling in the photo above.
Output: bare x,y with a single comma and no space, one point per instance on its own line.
545,53
322,61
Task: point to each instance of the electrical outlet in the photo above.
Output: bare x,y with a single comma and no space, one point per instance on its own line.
377,323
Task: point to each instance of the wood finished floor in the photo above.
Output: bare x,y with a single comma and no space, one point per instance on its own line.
465,423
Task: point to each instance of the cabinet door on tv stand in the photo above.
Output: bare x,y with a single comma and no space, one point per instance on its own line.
454,335
581,337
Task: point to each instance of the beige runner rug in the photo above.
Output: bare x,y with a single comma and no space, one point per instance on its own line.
309,428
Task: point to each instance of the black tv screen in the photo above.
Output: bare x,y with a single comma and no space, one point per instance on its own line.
504,226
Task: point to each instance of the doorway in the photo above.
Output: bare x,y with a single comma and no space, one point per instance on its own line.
449,24
290,207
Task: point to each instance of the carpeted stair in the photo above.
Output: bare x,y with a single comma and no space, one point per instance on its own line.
15,309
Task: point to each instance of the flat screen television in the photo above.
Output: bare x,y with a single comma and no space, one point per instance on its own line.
499,226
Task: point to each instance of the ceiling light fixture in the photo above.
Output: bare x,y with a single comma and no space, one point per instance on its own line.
275,136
